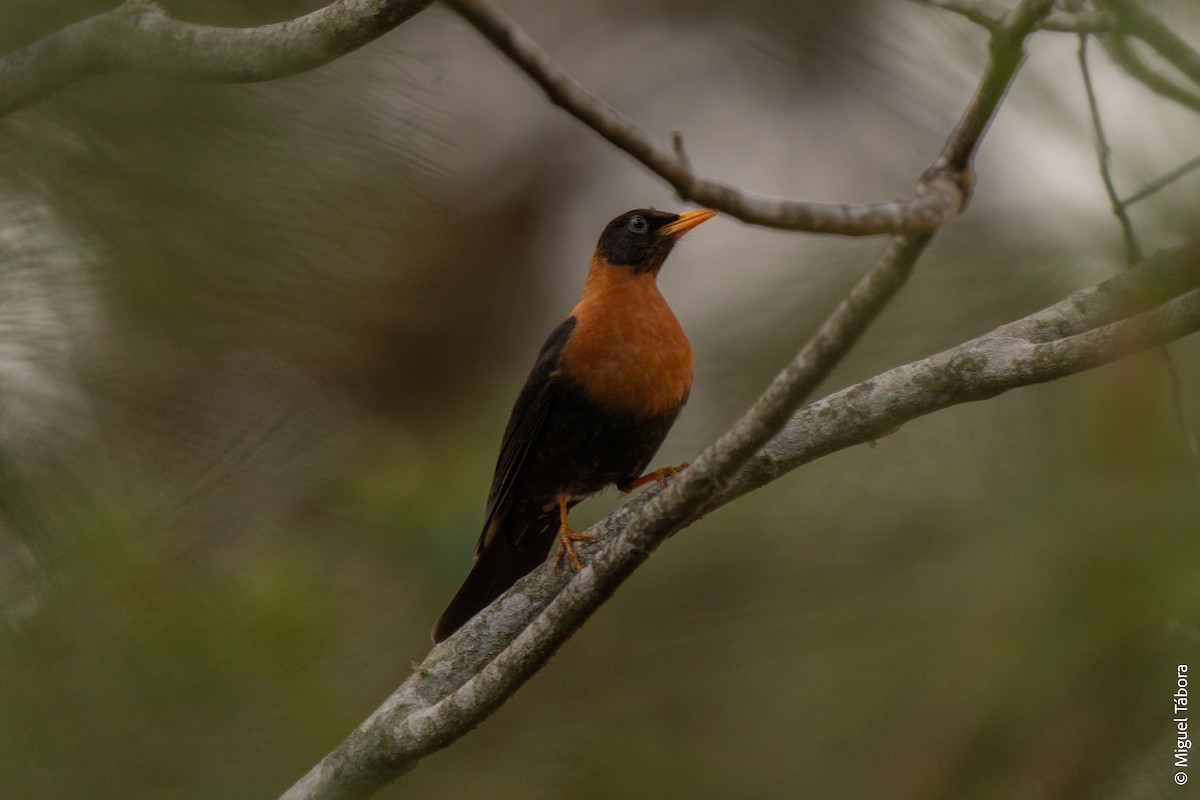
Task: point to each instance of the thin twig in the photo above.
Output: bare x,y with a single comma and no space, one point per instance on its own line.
1163,181
1122,18
1128,59
1190,441
1133,250
1137,21
139,36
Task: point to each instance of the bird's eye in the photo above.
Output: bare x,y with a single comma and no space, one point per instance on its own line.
637,224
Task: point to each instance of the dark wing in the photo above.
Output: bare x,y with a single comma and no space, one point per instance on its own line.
512,542
525,425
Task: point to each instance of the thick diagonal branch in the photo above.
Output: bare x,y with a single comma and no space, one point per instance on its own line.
139,36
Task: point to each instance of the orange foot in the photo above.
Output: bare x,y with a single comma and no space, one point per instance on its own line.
659,475
567,537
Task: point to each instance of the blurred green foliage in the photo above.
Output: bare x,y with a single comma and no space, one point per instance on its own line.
258,344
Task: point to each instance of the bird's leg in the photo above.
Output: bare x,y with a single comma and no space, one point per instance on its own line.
659,475
568,537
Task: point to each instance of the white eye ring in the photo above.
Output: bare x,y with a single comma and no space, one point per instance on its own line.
637,224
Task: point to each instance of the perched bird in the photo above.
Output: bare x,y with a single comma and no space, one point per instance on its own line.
605,389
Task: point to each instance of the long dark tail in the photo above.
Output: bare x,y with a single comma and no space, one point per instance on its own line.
501,564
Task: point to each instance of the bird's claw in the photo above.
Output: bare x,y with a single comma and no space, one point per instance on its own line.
566,546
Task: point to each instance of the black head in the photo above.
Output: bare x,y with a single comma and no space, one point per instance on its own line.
642,238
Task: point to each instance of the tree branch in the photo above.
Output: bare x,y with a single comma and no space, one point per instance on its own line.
1163,181
936,202
1137,21
1117,22
1133,249
139,36
990,15
1006,48
1129,60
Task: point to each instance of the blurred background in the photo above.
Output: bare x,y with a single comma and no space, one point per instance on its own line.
258,345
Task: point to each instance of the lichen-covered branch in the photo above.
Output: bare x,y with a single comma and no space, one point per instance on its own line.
139,36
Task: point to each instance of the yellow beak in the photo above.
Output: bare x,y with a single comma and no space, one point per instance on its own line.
687,220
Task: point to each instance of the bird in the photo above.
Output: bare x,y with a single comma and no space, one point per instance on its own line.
605,388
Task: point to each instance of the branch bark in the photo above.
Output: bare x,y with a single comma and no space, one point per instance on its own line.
139,36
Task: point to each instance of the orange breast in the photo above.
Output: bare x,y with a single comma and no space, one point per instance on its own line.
627,352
